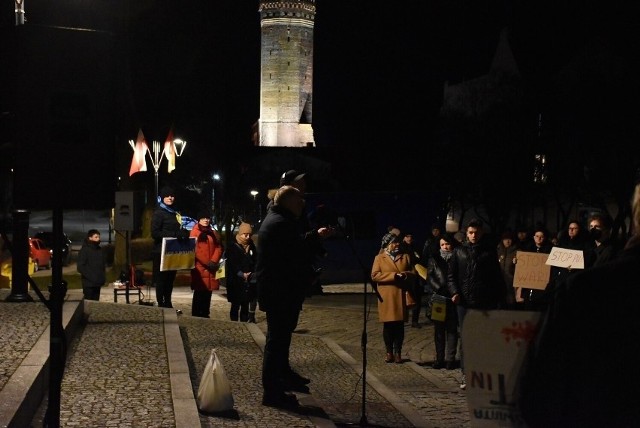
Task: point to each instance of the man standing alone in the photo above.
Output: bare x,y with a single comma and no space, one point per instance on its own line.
282,267
91,265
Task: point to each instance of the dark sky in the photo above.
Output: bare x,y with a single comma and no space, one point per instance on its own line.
378,72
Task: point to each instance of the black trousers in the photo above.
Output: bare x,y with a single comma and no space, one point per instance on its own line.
164,283
445,335
275,363
241,309
91,293
393,336
201,303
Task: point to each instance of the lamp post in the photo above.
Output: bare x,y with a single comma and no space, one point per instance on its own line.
176,146
254,193
215,177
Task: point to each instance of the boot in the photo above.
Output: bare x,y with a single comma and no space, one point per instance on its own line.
398,358
252,317
388,358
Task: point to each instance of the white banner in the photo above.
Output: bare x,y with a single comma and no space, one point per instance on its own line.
494,347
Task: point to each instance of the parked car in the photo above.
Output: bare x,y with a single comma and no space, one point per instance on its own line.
47,237
40,254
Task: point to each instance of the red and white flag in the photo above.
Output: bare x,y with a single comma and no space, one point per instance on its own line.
170,152
140,149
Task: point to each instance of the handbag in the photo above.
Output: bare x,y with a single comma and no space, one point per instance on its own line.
438,307
214,391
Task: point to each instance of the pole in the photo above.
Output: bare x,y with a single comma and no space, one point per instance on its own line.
20,258
156,164
57,342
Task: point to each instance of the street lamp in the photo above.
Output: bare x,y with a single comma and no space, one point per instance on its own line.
215,177
172,148
254,193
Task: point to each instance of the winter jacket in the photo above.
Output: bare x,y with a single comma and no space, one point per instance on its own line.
437,275
164,224
91,265
203,276
474,274
283,267
393,306
238,262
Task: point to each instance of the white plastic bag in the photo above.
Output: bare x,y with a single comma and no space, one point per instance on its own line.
214,392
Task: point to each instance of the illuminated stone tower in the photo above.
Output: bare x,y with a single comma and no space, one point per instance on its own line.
286,73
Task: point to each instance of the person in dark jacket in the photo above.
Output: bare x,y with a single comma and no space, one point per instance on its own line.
562,385
166,222
507,250
530,298
283,268
474,279
91,265
242,290
572,239
445,335
313,241
602,248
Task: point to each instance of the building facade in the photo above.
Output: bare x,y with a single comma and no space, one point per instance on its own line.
286,74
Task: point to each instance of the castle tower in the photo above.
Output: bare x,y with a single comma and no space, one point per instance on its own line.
286,73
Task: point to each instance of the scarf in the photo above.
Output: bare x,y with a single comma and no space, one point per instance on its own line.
205,231
241,239
167,208
446,255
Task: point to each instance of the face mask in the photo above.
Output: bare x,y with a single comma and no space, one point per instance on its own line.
595,233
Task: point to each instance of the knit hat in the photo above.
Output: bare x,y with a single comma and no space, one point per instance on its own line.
203,213
167,191
245,228
389,238
291,176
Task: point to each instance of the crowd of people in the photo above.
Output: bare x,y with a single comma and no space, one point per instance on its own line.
445,277
472,269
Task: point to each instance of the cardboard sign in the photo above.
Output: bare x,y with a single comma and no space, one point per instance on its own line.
178,254
566,258
531,270
495,344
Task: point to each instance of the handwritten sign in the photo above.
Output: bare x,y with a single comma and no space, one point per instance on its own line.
495,347
566,258
531,270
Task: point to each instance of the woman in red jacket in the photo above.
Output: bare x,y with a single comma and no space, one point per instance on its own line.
208,255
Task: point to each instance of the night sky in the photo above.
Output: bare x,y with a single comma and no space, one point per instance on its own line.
378,72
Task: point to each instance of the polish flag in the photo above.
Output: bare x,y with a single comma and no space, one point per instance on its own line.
169,152
140,150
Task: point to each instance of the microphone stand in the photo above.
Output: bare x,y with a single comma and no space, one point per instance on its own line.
363,341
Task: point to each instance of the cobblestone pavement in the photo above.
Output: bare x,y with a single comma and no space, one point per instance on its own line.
117,369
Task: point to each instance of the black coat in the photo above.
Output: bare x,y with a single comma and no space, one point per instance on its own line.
283,267
164,224
91,265
437,275
239,261
474,274
586,356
